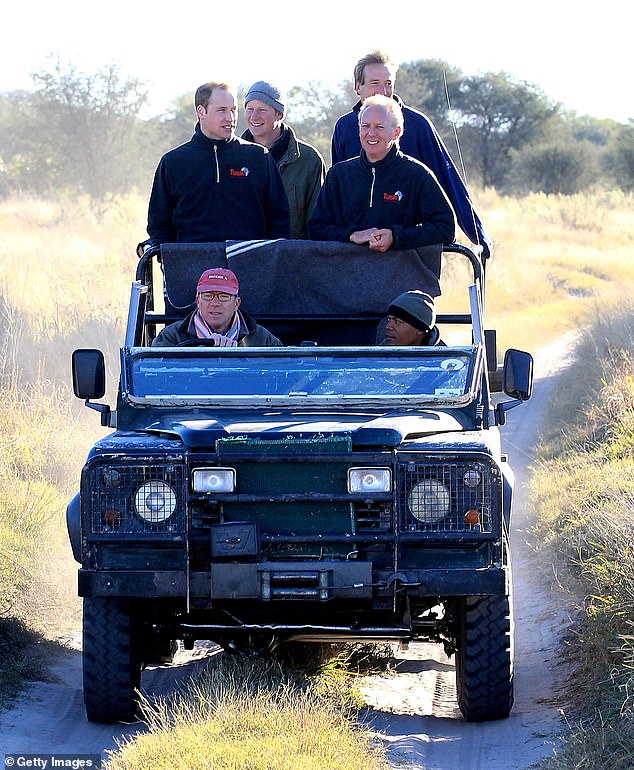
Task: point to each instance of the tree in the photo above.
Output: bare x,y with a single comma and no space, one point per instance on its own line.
91,126
497,115
22,168
428,86
177,126
553,168
619,158
313,110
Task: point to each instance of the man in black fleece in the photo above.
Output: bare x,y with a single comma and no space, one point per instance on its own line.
382,198
217,187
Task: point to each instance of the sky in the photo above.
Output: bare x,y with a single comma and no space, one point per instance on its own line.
578,53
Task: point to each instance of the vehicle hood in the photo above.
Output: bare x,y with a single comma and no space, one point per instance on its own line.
371,430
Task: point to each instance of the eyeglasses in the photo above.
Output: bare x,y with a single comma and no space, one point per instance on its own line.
221,296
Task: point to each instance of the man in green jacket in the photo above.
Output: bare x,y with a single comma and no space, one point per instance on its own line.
217,319
301,166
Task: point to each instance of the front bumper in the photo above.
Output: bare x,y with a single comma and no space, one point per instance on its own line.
293,581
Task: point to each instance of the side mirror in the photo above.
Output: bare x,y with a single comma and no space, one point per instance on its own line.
517,381
89,373
518,374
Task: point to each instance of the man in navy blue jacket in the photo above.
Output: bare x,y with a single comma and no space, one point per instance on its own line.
382,198
217,187
374,74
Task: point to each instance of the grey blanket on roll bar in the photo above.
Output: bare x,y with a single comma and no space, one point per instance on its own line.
303,278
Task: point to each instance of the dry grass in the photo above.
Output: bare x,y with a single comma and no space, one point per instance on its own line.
584,495
61,264
245,714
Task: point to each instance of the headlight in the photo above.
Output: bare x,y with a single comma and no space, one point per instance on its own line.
155,501
214,480
429,501
472,477
369,480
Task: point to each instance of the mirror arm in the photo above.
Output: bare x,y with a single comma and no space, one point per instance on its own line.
103,409
503,407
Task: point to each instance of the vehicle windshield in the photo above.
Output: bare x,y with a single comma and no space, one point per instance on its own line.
321,375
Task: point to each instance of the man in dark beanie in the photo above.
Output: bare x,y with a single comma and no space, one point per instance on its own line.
411,320
301,166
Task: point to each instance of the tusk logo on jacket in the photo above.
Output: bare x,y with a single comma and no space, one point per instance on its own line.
397,196
244,171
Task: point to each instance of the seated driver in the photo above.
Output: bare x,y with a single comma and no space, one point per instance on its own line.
411,320
217,317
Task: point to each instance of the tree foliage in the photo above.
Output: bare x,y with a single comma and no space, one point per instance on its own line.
84,132
496,116
554,169
313,110
428,85
619,158
92,121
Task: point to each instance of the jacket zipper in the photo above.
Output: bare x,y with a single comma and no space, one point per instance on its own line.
372,186
217,166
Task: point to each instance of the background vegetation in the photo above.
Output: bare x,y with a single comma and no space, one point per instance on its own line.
513,137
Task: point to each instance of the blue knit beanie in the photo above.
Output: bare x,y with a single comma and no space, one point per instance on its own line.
266,93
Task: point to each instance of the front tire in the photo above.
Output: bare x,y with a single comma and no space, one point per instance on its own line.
484,658
112,670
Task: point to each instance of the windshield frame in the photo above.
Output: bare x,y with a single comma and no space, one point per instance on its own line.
327,402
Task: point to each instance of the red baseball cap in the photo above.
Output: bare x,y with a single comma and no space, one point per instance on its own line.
218,279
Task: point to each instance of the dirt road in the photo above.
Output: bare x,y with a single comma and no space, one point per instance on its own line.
416,711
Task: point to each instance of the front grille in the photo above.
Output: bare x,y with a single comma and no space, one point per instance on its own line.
298,487
446,497
372,517
295,490
116,506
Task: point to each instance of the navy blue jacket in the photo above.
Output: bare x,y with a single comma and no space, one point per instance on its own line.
421,140
217,190
398,193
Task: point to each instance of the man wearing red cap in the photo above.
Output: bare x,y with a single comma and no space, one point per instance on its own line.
217,317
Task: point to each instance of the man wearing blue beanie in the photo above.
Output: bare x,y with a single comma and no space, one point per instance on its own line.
301,166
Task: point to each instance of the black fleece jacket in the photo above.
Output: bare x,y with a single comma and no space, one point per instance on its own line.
398,193
217,190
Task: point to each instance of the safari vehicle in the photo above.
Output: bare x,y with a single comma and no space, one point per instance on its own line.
331,489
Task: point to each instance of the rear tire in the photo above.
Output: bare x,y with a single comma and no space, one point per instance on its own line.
112,670
484,658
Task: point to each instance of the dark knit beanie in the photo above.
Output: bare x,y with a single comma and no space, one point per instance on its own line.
416,308
266,93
